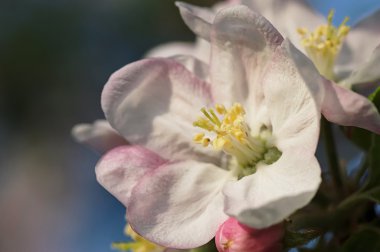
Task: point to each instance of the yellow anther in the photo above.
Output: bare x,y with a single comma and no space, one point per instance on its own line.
198,137
302,31
206,142
220,109
324,43
139,244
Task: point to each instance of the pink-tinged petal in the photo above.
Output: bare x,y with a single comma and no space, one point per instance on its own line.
345,107
154,102
233,236
195,66
99,136
287,16
293,102
198,19
119,170
363,38
275,191
200,50
367,72
179,205
241,45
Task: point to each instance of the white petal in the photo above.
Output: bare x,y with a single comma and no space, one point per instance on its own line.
195,66
200,50
367,72
99,136
153,103
198,19
339,105
241,45
360,43
345,107
293,102
119,170
179,205
274,192
287,16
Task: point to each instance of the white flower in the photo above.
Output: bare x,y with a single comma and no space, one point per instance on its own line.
260,119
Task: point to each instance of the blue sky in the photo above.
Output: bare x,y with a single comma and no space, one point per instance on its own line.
353,8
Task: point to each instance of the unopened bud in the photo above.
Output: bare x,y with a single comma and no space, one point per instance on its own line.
233,236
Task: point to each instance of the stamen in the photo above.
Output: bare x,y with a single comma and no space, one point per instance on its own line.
324,44
233,136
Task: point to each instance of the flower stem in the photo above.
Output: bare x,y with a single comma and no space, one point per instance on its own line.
332,156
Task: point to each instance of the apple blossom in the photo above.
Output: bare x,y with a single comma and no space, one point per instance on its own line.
233,236
347,54
256,126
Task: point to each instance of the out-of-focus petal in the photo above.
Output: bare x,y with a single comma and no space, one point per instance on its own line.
274,191
363,38
367,72
345,107
154,102
195,66
179,205
287,16
339,105
241,46
200,50
119,170
99,136
198,19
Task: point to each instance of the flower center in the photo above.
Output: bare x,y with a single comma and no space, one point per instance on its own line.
324,43
232,135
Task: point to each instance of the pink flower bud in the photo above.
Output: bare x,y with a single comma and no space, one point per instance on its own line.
233,236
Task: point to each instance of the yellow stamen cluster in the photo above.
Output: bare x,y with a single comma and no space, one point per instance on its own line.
323,44
232,134
138,245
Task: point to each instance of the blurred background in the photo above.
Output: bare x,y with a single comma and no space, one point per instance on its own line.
55,56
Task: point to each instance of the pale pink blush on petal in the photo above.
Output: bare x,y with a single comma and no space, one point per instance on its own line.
154,102
119,170
179,205
345,107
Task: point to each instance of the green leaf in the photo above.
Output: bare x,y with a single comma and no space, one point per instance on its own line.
367,239
295,239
